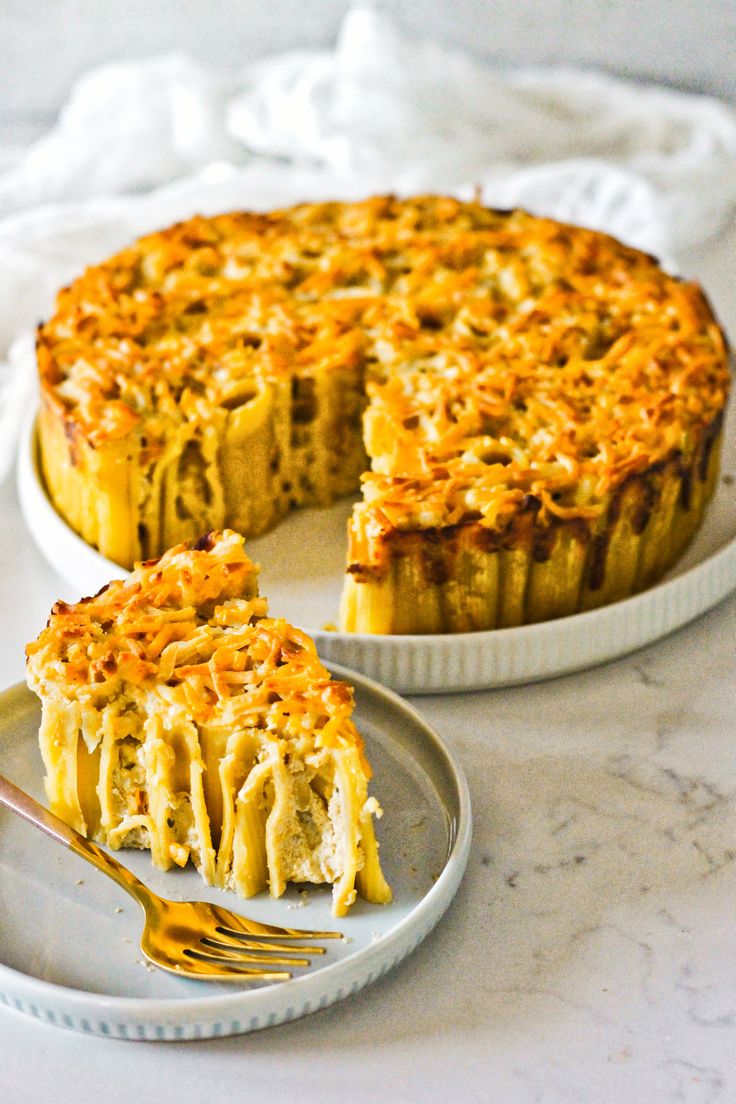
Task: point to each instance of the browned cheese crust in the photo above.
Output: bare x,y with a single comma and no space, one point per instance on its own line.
525,386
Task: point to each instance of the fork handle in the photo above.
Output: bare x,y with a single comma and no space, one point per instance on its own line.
31,810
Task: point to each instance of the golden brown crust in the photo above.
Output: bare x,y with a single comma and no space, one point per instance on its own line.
528,530
508,359
191,627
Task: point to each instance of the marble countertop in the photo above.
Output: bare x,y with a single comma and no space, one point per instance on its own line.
590,955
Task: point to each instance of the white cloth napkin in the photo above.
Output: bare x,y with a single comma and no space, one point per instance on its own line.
141,144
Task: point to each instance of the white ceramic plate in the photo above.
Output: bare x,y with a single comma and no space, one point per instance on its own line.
303,562
69,937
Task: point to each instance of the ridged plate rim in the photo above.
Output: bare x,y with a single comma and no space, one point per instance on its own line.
439,663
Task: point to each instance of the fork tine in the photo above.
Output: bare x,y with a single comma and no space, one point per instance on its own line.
224,954
252,945
198,969
227,957
230,924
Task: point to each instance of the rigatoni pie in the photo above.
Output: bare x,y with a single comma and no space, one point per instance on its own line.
542,405
178,716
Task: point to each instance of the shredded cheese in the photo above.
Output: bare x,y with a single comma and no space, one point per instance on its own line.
505,354
179,660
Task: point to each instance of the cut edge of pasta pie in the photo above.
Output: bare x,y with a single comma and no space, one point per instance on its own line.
178,717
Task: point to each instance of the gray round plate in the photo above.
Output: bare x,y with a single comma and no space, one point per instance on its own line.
69,938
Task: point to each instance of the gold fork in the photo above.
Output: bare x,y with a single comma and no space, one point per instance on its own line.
192,939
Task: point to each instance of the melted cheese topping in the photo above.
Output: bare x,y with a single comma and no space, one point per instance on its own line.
191,631
504,355
178,717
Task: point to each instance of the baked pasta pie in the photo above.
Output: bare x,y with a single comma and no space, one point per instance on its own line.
536,409
178,716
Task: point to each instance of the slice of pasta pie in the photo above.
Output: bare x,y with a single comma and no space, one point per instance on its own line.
178,716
